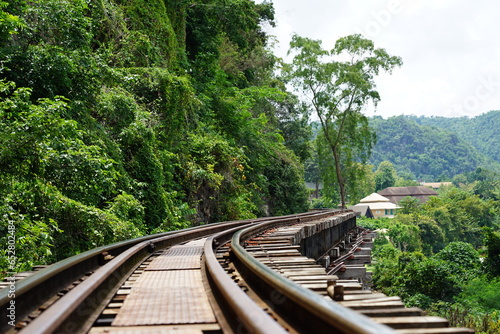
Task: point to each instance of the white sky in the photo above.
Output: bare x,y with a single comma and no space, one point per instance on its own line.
450,49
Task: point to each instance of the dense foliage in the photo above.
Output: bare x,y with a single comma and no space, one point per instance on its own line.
120,118
420,149
443,256
337,85
409,150
481,131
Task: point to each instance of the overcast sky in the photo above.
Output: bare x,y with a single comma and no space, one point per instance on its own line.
450,49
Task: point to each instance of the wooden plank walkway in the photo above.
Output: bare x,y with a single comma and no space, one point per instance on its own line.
167,297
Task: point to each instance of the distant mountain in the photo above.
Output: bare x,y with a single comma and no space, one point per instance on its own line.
437,147
482,132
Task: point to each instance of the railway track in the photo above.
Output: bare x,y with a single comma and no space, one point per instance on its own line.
234,277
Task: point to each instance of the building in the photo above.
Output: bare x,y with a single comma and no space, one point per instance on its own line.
362,210
436,185
396,194
379,205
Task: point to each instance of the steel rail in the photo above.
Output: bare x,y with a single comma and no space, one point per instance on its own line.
76,311
302,308
59,317
35,290
239,309
56,276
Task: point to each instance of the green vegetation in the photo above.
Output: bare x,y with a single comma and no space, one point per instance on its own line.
385,176
122,118
481,132
437,148
339,84
443,256
406,153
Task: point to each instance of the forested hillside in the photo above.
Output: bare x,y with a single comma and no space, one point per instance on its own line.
423,150
443,255
481,131
121,118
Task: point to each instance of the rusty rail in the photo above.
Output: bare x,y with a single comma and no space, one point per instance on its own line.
239,309
75,310
304,309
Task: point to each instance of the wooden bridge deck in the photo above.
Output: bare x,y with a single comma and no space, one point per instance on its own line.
167,296
173,291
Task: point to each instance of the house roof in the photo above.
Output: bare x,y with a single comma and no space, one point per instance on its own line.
378,202
396,194
363,210
373,198
436,185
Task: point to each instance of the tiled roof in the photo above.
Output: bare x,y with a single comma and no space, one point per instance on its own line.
374,198
396,194
363,210
378,202
436,185
407,191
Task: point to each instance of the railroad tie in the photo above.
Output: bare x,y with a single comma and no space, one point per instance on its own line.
350,293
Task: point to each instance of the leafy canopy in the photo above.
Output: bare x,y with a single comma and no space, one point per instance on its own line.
338,84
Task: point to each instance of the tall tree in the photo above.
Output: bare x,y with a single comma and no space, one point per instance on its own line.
385,176
338,84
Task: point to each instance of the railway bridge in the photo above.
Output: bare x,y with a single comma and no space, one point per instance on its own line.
301,273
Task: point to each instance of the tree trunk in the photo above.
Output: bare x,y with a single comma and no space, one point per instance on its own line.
340,179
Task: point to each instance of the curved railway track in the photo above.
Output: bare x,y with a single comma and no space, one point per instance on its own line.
219,278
